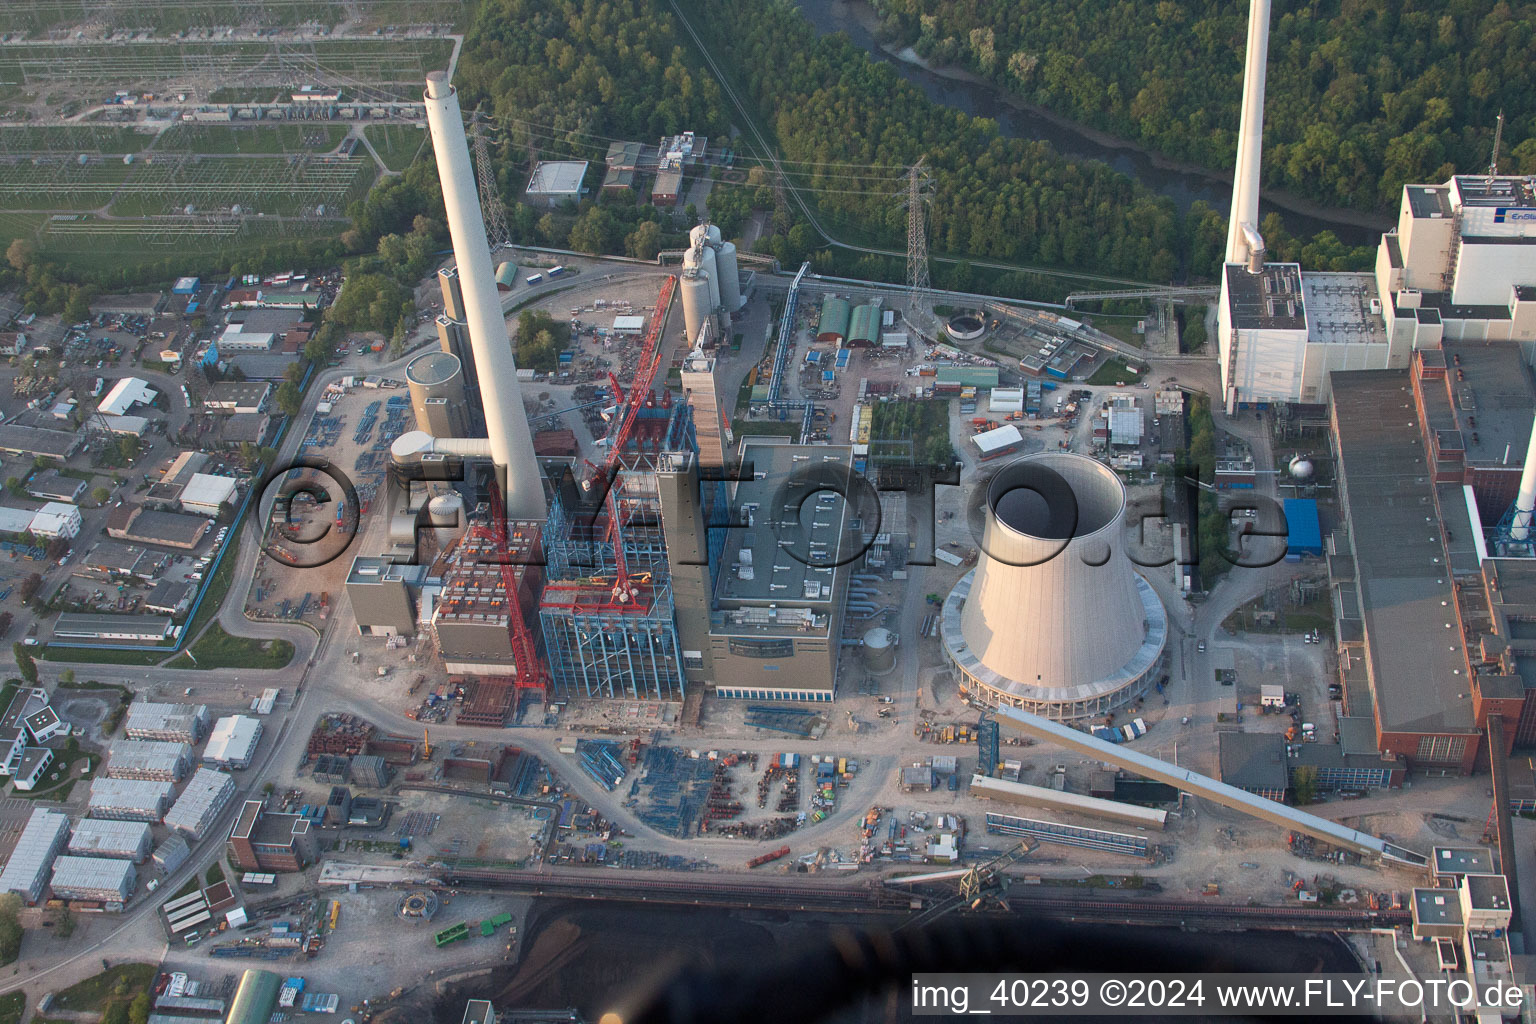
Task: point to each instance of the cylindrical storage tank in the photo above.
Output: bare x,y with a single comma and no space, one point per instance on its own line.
711,270
696,304
506,276
446,514
436,383
1054,619
697,232
730,277
879,651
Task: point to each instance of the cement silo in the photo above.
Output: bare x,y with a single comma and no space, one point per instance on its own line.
1054,619
436,383
711,271
879,651
696,304
730,277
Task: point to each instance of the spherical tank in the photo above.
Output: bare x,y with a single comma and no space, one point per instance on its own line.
436,383
879,651
1301,467
696,304
712,271
730,277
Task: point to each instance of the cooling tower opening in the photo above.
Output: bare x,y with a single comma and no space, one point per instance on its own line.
1056,496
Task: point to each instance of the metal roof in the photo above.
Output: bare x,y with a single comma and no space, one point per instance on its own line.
205,790
998,439
124,395
102,838
557,178
1091,806
255,999
207,489
35,849
93,873
145,795
154,716
73,624
233,738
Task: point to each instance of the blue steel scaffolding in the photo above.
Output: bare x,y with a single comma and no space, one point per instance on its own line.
598,650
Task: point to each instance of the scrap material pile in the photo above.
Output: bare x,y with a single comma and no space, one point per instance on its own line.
337,733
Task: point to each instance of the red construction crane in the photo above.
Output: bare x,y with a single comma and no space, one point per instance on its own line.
629,407
531,674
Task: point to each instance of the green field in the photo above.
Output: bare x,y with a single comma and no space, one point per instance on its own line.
390,66
118,982
73,139
1115,371
217,649
177,15
316,137
12,1006
396,144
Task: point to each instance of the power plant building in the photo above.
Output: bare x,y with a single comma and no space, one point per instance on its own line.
26,872
1054,619
776,622
436,383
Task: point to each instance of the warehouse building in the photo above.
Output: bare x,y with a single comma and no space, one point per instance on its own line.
149,629
116,561
229,396
103,838
1255,762
206,494
180,723
206,794
51,485
233,741
41,840
555,180
32,442
169,598
149,526
124,395
152,760
272,842
256,999
129,799
107,879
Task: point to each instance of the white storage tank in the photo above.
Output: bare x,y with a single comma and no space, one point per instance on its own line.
730,277
879,651
696,303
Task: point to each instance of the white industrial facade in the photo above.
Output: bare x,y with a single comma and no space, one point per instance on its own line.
232,743
57,519
207,494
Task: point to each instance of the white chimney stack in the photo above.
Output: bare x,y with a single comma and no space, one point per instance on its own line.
506,423
1243,242
1525,501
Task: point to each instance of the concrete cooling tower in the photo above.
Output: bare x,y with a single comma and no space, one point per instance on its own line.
1054,618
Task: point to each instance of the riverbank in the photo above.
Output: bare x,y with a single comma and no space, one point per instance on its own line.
1182,182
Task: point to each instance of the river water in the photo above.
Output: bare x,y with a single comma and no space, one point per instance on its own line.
1182,183
605,950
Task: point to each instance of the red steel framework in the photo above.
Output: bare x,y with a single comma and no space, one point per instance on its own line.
624,593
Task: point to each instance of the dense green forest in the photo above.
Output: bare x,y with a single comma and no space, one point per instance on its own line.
1361,95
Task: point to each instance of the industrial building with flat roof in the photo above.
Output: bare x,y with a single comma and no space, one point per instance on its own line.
180,723
95,837
129,799
206,794
272,842
233,741
126,628
154,760
26,872
151,526
1254,761
555,180
778,602
107,879
1403,655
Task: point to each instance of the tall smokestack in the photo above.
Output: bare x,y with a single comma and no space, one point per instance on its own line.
1525,501
506,423
1250,141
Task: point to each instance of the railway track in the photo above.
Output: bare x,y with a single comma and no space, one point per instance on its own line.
702,890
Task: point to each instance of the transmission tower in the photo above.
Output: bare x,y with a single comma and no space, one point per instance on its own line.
918,286
490,198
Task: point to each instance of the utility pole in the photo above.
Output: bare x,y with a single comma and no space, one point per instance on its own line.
918,287
1498,138
490,197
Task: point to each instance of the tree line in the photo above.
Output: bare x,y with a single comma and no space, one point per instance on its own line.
1361,96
